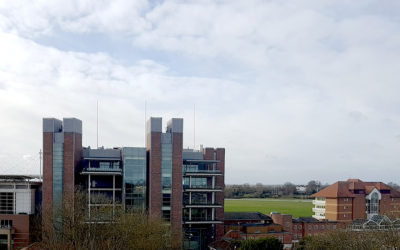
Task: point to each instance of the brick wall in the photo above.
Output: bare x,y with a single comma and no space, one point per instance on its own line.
176,202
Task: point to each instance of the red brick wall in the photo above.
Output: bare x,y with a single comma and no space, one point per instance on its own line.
21,226
359,207
47,174
155,196
69,164
176,206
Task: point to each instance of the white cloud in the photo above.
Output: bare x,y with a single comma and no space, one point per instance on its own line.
311,84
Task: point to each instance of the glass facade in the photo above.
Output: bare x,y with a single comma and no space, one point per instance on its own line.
58,173
134,162
166,175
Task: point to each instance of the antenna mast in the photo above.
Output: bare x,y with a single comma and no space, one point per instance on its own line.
145,117
97,122
194,126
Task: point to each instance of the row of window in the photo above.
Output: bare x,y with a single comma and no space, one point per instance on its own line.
6,203
5,223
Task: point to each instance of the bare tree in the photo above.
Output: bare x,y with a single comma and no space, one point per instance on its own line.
70,227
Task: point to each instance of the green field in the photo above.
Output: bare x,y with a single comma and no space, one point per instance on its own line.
295,207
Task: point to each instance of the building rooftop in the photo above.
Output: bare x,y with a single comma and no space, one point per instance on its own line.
19,178
246,216
354,186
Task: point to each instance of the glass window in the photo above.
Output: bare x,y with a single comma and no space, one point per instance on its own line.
6,203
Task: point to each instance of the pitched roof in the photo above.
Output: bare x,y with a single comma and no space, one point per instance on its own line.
337,189
346,189
246,216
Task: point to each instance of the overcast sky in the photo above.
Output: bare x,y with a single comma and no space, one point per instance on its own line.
294,90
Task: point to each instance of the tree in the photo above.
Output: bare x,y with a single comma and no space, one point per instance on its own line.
262,244
394,186
69,227
289,189
313,187
347,240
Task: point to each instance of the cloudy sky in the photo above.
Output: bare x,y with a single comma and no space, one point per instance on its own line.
294,90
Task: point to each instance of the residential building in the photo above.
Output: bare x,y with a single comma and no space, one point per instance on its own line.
20,199
354,199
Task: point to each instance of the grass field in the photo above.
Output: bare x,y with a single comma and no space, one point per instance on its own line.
295,207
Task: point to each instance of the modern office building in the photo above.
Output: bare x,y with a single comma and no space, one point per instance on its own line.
203,196
101,177
353,199
183,187
62,153
20,198
165,171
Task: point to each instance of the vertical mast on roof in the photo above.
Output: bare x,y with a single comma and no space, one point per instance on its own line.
97,122
194,126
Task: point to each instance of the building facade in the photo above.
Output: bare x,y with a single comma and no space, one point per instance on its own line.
353,199
20,197
203,198
183,187
62,153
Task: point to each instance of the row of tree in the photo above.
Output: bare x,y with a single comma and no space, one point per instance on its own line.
271,191
275,191
348,240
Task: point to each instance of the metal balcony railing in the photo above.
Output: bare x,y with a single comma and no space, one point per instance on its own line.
209,187
104,169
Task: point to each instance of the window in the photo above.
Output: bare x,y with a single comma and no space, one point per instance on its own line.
166,215
315,227
6,203
309,227
328,227
281,238
295,227
287,224
345,207
295,236
373,204
300,227
5,223
345,199
334,226
299,236
322,227
345,216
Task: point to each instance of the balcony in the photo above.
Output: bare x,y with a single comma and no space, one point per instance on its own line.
200,172
201,220
319,202
102,171
207,204
201,188
318,210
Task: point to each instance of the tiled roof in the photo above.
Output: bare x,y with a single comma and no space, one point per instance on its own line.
246,216
338,189
346,189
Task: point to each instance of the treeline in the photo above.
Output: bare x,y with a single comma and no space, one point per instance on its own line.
272,191
276,191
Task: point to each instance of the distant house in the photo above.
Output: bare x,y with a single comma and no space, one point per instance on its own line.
353,199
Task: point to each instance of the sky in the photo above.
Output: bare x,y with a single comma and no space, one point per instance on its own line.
293,90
